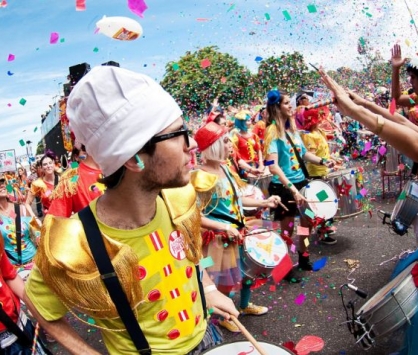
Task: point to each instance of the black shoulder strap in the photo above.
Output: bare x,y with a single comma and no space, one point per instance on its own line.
56,180
18,225
111,281
301,162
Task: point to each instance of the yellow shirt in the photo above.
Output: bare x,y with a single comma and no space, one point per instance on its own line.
171,315
316,142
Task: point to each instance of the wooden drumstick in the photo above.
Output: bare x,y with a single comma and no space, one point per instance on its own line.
313,201
249,337
283,206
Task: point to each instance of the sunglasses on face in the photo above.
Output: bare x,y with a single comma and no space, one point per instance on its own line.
163,137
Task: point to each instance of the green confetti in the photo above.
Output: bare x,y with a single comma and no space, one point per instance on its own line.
206,262
74,164
231,8
294,319
286,15
412,101
369,14
22,101
36,128
9,188
74,178
95,49
311,8
175,66
62,40
22,142
402,196
267,16
322,195
309,213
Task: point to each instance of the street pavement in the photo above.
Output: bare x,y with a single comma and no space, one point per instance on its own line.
314,306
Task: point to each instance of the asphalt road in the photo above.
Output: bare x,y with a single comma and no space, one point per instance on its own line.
314,307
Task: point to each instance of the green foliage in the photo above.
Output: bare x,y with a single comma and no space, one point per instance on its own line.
195,86
287,72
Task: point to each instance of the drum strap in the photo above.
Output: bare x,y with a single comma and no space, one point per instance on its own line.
241,218
18,233
301,162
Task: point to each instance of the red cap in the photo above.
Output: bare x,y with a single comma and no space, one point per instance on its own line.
311,118
209,134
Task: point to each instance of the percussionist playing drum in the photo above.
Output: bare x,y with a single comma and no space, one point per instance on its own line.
222,220
315,142
282,147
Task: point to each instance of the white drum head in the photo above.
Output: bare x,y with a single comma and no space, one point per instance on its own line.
265,247
245,347
322,199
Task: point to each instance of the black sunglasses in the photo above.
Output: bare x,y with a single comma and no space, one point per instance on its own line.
162,137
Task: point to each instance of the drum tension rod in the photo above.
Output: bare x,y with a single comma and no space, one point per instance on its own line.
392,293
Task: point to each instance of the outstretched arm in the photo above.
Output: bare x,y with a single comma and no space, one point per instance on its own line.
62,332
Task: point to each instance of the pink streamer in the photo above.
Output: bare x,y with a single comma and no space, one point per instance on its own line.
11,58
80,5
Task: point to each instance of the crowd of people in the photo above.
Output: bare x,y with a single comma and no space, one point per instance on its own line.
146,231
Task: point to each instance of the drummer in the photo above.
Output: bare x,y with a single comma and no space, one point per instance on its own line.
223,221
315,141
282,147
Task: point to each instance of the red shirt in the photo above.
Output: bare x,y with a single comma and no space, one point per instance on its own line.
11,303
77,187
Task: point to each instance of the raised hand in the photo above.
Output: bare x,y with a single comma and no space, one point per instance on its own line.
397,60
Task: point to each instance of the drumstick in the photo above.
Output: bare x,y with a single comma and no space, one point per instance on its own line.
283,206
249,337
313,201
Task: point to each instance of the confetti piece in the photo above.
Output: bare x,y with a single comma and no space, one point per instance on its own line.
22,101
299,300
319,264
392,107
54,38
138,7
202,19
286,15
302,230
9,188
382,150
95,49
309,213
74,178
10,73
411,101
11,58
268,162
36,128
223,80
308,344
80,5
258,59
267,16
281,270
175,66
311,8
231,7
22,142
74,164
206,262
322,195
402,196
363,192
205,63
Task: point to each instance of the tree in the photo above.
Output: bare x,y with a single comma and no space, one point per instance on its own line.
287,72
199,77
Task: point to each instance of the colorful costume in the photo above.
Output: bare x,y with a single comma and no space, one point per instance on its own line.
8,231
224,206
316,141
155,264
77,187
247,147
42,189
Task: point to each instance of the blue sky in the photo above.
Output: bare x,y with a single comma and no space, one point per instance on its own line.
244,28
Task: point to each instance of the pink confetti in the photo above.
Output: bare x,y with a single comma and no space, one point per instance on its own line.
392,106
11,58
300,299
202,19
9,104
382,150
223,80
54,38
309,343
401,167
205,63
138,7
302,230
80,5
3,3
367,146
363,192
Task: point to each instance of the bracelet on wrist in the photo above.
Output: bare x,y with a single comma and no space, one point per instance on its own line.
380,123
289,185
209,288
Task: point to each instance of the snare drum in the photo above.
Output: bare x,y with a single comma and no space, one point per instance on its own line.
263,251
406,209
261,181
245,347
344,183
255,193
388,309
322,200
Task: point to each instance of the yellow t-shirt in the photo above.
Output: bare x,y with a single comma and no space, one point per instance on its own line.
171,315
316,142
